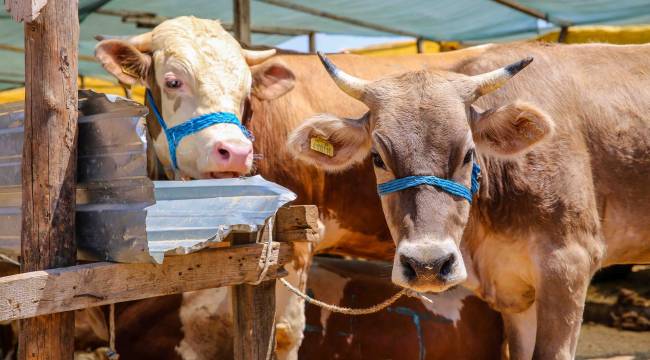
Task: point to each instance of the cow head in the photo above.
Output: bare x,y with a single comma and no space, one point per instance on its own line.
195,68
422,123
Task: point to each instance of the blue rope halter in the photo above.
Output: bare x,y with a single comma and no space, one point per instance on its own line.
449,186
176,133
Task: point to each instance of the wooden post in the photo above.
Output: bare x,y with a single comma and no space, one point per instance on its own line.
312,42
564,32
242,21
253,309
49,167
419,45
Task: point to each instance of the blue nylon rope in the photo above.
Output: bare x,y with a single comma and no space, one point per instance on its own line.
176,133
448,186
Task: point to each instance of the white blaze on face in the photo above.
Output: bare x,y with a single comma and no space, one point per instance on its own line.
200,69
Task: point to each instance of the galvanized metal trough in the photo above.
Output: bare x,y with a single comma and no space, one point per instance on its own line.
122,215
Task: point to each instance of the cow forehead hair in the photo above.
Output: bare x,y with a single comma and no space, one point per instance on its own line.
189,37
189,27
434,91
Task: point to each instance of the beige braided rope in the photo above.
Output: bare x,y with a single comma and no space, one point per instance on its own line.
112,352
346,310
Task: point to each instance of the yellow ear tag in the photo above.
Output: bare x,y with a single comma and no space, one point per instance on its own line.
322,146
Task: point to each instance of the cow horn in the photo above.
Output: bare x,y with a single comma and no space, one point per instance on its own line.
142,42
351,85
488,82
254,57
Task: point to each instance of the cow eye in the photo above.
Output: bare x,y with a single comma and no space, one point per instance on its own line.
173,84
469,156
377,161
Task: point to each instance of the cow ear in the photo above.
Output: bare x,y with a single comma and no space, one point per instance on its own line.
271,80
511,129
123,61
330,142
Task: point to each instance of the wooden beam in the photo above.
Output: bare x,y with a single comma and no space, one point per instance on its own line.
533,12
242,21
71,288
24,10
275,30
125,13
150,23
151,20
49,166
297,223
18,49
13,82
345,19
253,309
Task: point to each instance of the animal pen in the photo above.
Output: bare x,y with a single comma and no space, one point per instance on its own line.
50,286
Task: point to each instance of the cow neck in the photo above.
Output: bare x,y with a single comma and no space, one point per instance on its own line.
247,114
501,202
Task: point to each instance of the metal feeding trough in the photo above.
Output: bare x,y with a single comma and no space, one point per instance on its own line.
121,214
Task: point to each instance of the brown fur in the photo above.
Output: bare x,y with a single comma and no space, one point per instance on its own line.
547,215
392,333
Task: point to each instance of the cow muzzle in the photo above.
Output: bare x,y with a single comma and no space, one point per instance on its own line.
234,157
428,266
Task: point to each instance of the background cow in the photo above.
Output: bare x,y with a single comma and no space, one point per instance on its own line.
455,325
563,147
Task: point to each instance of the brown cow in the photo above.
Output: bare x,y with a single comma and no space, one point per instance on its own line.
455,325
565,153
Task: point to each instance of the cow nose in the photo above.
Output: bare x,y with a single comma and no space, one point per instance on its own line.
231,157
439,269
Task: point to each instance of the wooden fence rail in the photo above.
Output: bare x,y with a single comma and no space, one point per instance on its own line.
50,291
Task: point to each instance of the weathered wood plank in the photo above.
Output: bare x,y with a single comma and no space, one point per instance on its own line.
49,161
297,223
307,235
24,10
44,292
253,316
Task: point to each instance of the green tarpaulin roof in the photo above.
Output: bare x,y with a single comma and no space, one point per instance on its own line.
464,20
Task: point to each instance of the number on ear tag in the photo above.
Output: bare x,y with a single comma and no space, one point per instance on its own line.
322,146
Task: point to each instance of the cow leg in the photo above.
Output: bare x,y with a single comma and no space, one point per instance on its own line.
206,320
564,276
290,314
521,330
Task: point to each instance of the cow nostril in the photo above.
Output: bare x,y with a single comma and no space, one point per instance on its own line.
447,266
224,153
407,268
